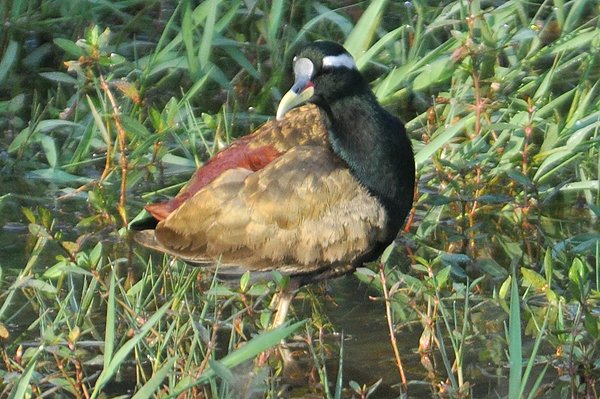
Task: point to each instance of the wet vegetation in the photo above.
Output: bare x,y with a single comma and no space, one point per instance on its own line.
492,291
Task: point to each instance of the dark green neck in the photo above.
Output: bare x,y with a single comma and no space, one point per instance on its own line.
374,145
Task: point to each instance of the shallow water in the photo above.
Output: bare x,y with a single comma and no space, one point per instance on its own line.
368,354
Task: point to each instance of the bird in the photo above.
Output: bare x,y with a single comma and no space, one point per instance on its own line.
314,193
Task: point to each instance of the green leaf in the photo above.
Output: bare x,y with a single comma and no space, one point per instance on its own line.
519,177
576,41
9,58
242,61
533,279
441,137
219,290
578,278
45,126
588,185
69,47
14,105
340,373
95,254
441,277
40,286
577,118
49,125
532,359
134,127
505,288
434,73
323,13
554,162
82,152
64,268
355,386
492,268
258,289
387,252
244,281
575,11
57,176
591,324
49,147
360,38
28,213
59,77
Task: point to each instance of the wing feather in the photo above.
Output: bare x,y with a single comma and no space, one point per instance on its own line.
301,213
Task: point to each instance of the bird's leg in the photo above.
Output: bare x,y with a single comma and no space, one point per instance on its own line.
284,299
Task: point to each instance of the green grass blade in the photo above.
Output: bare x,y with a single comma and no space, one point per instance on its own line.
155,382
531,361
559,11
440,139
538,382
82,152
250,350
363,59
546,82
360,37
242,61
9,58
275,22
187,34
444,352
514,342
208,34
260,343
576,41
98,120
199,84
109,332
403,75
577,8
339,382
23,384
121,355
434,73
40,243
581,108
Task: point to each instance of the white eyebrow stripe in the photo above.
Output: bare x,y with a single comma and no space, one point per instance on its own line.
340,60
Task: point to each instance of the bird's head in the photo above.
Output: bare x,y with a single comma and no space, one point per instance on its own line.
323,71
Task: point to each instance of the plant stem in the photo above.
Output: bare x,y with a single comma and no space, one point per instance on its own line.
122,149
388,314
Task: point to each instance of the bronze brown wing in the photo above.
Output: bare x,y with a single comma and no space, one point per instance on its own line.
302,126
301,213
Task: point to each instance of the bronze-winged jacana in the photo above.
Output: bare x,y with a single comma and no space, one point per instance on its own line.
313,194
